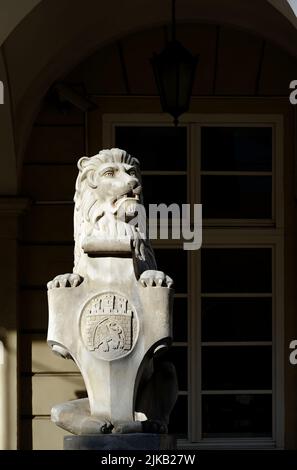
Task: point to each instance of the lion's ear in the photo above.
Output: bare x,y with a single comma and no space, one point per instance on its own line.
87,171
82,162
91,178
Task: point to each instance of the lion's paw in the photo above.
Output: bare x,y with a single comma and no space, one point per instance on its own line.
154,426
127,427
65,280
94,425
152,278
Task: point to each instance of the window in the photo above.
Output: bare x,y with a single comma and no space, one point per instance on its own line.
228,306
236,172
236,354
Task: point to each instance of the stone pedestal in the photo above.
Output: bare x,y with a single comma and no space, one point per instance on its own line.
135,441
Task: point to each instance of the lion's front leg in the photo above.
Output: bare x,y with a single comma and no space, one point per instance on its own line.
65,280
153,278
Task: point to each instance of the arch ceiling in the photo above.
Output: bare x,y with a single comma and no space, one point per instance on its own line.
288,8
48,38
12,13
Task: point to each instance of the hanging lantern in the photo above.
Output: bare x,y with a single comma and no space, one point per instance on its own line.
174,70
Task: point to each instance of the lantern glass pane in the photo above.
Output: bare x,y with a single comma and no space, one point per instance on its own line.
185,85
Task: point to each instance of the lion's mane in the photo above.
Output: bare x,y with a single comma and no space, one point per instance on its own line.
88,202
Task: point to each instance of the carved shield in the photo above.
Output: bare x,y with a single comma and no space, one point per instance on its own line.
109,325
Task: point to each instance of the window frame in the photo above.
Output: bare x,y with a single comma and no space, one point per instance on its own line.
225,233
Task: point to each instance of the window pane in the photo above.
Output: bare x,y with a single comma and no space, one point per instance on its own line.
178,422
157,148
236,368
178,355
236,415
164,189
236,270
180,320
236,148
236,197
174,263
234,319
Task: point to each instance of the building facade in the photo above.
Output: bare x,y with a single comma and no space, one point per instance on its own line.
90,86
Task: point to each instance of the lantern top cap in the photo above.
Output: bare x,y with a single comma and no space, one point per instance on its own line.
175,51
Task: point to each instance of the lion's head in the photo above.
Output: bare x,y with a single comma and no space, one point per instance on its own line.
107,193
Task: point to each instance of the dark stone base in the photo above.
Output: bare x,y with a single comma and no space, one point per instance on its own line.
135,441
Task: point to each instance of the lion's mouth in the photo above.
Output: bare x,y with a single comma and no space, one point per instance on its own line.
131,195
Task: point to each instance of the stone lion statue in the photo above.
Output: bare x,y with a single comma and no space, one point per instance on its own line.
107,195
109,225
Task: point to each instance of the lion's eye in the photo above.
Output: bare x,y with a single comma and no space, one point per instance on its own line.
109,173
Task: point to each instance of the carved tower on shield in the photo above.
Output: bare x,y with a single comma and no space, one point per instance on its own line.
112,315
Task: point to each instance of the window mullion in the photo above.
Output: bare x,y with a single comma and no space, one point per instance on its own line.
194,304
